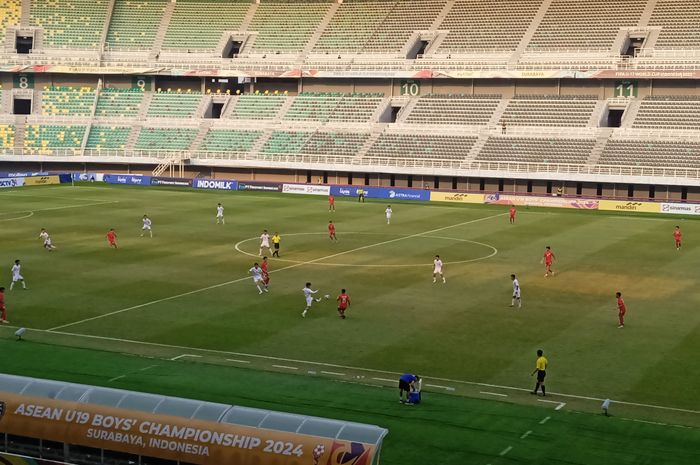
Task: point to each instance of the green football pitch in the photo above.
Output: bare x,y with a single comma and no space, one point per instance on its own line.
184,303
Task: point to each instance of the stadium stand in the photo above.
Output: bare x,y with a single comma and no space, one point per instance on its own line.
669,112
487,25
334,106
108,137
217,15
43,139
70,23
421,146
165,138
453,109
592,24
67,101
282,142
135,23
536,150
119,102
541,110
335,143
10,11
174,104
286,25
226,140
7,136
679,24
257,106
406,17
652,153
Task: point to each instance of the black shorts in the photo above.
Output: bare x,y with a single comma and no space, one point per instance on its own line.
277,246
540,376
404,386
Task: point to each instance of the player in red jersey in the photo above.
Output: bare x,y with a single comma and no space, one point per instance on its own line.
548,260
112,238
677,234
331,231
3,310
265,272
331,203
512,212
621,309
343,303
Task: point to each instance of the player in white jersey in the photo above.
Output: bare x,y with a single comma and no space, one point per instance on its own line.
265,243
258,279
437,269
516,292
220,214
44,235
309,296
388,212
17,275
146,226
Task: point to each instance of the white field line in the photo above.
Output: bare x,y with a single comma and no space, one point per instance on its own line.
116,378
437,386
285,367
493,394
147,368
560,405
178,357
333,373
237,361
544,420
371,370
506,450
526,434
346,367
296,265
60,208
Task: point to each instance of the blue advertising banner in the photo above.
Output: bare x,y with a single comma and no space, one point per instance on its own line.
11,182
127,179
16,174
86,176
222,184
172,182
391,193
259,186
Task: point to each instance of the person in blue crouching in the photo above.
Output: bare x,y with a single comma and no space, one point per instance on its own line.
408,387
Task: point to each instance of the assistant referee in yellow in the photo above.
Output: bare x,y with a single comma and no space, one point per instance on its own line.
541,370
276,239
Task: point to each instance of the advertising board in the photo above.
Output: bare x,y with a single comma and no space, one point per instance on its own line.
171,182
127,179
541,201
259,186
390,193
308,189
220,184
41,180
6,183
457,197
680,208
171,437
631,206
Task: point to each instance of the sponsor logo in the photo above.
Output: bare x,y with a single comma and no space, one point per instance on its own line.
456,197
680,208
10,182
266,187
646,207
42,180
215,184
344,191
308,189
176,182
353,453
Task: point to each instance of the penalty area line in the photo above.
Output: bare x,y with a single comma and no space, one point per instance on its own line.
296,265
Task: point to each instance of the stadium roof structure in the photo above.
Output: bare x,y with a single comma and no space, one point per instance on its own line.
193,409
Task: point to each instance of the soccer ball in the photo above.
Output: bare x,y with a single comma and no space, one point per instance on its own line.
327,296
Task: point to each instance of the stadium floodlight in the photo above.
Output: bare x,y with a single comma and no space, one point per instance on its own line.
20,332
605,406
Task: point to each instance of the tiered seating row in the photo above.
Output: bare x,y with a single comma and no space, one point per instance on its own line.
333,106
663,112
487,24
421,146
70,23
226,140
679,21
450,110
549,111
108,137
536,150
217,15
407,17
10,11
119,102
287,25
680,154
592,24
165,138
135,23
67,101
43,139
174,104
257,106
7,136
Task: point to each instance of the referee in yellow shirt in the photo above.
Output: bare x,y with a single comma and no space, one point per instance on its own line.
540,369
276,239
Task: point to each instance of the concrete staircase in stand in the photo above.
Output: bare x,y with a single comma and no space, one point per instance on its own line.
20,129
162,29
601,139
530,32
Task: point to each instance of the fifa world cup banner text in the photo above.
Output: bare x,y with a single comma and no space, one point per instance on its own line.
41,180
458,197
220,184
171,437
11,182
127,179
680,208
308,189
645,207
